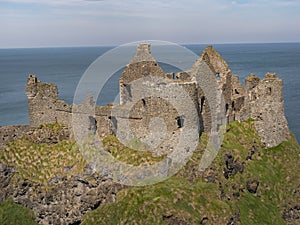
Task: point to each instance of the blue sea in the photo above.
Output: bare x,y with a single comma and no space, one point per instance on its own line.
65,67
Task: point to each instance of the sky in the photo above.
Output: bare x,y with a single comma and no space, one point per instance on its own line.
56,23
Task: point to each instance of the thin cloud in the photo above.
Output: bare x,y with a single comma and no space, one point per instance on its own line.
289,3
88,22
53,2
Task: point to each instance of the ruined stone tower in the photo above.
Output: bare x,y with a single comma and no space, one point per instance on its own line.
264,104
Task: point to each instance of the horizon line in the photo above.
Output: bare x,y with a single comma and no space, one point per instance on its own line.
182,44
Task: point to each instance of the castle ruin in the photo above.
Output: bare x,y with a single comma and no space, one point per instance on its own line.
260,99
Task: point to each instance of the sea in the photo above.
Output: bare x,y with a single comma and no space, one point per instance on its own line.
65,66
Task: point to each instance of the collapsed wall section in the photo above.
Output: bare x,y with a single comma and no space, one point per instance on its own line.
44,105
46,108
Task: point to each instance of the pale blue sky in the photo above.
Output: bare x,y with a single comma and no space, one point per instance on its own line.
36,23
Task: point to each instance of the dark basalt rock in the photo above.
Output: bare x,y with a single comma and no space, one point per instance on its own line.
235,219
252,186
6,173
292,215
67,200
171,219
232,166
204,221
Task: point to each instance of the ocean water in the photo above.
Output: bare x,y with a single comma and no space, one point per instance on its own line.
65,67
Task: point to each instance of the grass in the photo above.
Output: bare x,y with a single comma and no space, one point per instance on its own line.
175,199
277,170
187,197
128,155
39,163
254,211
12,214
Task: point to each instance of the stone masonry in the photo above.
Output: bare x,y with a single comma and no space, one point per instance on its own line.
260,99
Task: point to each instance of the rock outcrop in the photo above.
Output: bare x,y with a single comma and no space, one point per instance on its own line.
65,202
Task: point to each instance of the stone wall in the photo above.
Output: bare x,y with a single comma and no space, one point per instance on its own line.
237,98
44,105
208,93
216,93
146,103
142,65
105,122
264,103
46,108
261,100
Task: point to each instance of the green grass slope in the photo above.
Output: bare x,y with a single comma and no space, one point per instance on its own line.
245,184
220,195
13,214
